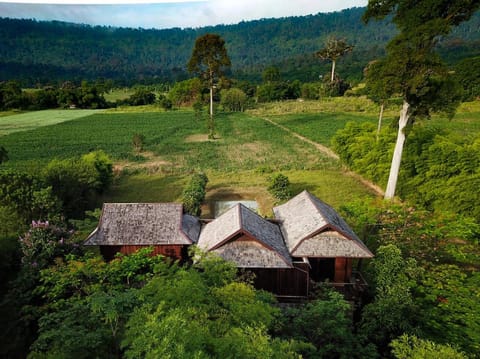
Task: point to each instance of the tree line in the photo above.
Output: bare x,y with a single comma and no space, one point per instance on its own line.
34,53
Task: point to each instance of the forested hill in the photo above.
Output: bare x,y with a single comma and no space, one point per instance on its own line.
45,52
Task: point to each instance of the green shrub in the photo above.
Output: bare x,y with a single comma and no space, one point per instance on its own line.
233,100
194,194
141,97
164,102
279,187
138,140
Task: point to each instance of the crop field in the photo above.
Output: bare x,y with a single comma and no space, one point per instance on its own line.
238,162
176,138
246,151
31,120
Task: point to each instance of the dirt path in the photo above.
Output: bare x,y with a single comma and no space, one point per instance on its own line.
329,153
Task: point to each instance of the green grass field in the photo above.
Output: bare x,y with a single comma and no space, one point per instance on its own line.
238,163
176,138
247,150
32,120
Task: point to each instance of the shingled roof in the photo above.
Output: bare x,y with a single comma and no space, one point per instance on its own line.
144,224
311,228
242,236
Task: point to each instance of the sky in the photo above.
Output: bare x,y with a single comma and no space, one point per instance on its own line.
163,14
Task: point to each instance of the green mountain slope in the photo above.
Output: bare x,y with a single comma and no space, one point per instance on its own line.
42,52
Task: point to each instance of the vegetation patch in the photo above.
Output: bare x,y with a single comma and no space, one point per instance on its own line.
32,120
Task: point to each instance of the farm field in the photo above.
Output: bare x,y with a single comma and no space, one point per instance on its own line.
31,120
318,121
238,163
247,150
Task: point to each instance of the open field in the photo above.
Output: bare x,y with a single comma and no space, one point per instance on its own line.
175,138
247,150
319,120
32,120
238,163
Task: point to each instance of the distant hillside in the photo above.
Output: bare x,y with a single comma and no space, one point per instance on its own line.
45,52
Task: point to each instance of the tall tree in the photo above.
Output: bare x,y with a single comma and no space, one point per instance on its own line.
209,59
412,67
334,48
377,89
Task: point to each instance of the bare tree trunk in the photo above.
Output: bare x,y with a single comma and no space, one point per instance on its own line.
397,154
332,77
211,125
380,118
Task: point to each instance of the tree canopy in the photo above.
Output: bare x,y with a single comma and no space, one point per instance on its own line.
209,60
412,67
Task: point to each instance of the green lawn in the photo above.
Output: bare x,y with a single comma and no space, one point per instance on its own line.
31,120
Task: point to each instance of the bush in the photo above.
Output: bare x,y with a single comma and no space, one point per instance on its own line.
233,100
194,194
279,187
311,91
164,102
138,140
185,92
141,97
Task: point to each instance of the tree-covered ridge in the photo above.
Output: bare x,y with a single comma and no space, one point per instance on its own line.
47,51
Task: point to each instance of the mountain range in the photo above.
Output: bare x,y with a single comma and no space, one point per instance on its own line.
36,52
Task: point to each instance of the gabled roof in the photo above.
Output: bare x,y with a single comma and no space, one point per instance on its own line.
305,217
265,247
144,224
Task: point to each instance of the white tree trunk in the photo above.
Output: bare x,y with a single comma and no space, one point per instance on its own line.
397,153
210,125
332,77
380,117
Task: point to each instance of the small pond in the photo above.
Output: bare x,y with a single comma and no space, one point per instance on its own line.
223,206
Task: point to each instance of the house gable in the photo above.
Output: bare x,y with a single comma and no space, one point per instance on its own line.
312,228
330,244
245,238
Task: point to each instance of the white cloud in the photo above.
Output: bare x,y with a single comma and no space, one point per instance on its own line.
99,2
170,13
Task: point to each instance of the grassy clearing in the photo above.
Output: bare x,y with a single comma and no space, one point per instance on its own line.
118,94
32,120
466,121
245,142
320,127
238,163
241,185
356,105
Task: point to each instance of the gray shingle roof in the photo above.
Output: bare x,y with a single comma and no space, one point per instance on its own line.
265,247
144,224
305,217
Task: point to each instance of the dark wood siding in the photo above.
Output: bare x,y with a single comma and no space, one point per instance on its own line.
172,251
343,270
288,282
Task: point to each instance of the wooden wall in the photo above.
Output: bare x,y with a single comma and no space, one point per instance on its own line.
288,282
173,251
343,270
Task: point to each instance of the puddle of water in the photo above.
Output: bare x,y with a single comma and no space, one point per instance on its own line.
223,206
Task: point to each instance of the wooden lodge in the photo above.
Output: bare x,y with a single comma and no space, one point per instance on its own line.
127,227
307,240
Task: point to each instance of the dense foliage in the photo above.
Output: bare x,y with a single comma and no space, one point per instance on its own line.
30,52
279,186
440,171
67,95
425,277
194,194
63,188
